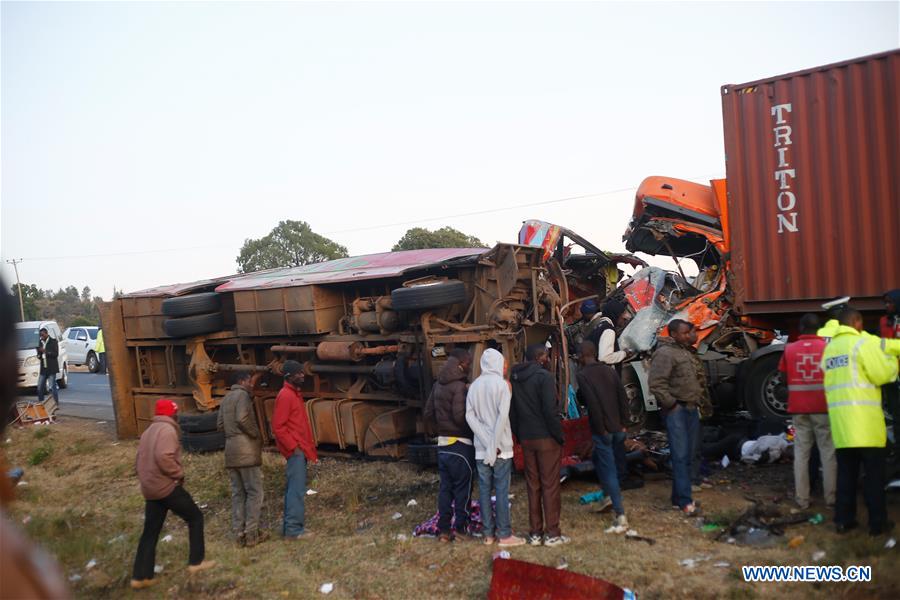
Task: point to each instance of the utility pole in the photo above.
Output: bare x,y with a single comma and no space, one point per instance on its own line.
15,262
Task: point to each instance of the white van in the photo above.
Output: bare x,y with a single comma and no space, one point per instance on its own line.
27,339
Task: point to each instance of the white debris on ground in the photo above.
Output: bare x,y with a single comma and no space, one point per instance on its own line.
91,564
311,492
397,516
167,538
412,502
327,588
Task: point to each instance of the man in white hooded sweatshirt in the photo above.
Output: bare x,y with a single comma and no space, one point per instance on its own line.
487,413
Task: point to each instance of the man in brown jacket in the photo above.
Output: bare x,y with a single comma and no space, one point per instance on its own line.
678,383
161,476
243,459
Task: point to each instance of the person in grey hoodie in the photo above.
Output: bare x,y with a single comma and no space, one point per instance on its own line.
487,413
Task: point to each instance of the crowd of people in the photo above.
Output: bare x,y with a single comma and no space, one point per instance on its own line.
837,376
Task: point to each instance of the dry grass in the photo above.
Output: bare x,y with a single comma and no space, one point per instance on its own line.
84,504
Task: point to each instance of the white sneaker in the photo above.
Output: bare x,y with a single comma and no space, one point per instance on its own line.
621,521
557,541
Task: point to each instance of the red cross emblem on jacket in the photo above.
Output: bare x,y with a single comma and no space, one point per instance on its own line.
800,363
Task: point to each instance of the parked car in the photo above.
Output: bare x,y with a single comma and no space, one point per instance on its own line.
27,339
81,345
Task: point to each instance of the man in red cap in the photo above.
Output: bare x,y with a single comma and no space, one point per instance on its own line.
161,476
294,439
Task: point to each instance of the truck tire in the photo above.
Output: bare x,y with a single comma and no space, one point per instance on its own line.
199,423
766,390
211,441
429,295
193,325
193,304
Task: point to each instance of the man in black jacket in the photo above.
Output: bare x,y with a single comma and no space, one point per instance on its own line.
602,392
445,415
535,421
48,352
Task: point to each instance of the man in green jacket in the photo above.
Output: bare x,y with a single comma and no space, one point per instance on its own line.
243,459
855,367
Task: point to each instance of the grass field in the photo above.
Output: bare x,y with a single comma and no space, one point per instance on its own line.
82,502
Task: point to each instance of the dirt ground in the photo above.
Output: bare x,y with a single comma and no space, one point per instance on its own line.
82,502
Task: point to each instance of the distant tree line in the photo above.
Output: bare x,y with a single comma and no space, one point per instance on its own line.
294,243
68,307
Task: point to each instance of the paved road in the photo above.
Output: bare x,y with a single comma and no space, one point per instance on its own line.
87,397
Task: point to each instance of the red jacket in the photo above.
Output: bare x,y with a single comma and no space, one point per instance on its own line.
290,424
801,363
889,327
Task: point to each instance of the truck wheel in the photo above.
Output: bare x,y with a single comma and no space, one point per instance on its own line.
766,390
199,423
429,295
192,304
193,325
63,382
211,441
93,363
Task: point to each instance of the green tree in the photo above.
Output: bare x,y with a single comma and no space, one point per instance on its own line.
418,238
31,295
290,244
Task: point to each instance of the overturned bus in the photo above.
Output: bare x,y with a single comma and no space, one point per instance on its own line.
372,332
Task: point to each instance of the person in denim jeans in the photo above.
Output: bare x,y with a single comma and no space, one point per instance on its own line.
295,441
678,382
602,392
487,413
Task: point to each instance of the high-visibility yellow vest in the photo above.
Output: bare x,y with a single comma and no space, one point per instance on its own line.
100,346
855,369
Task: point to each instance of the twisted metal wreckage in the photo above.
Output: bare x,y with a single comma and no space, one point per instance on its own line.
373,331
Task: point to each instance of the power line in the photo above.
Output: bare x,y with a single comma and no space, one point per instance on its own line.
368,227
479,212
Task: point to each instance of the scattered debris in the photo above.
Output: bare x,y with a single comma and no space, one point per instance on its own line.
364,524
167,538
817,519
26,519
890,543
204,506
158,569
706,528
631,534
592,497
502,554
401,537
8,440
311,492
91,564
115,444
21,483
100,423
796,541
327,588
397,516
818,555
434,567
412,502
562,563
725,462
118,538
690,563
74,577
722,565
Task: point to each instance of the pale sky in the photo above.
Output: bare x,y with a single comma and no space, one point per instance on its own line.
173,131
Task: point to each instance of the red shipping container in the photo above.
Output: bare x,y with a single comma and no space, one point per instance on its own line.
813,171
